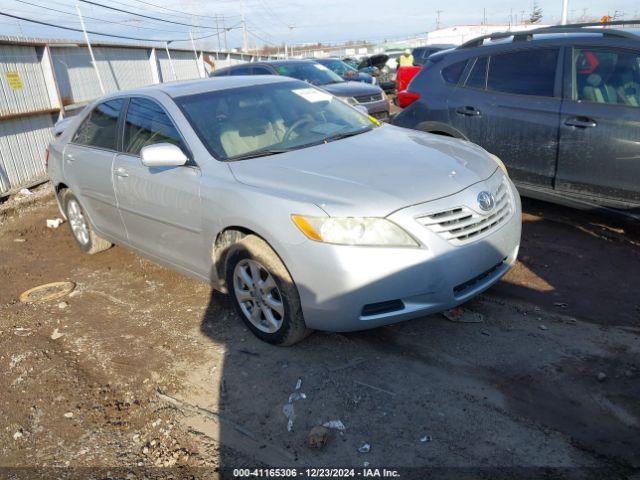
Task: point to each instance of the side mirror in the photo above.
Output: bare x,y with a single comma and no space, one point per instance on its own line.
162,155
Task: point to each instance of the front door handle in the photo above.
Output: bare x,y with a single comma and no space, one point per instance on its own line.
469,111
580,122
69,157
121,172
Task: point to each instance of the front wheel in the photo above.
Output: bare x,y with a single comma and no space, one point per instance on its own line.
263,292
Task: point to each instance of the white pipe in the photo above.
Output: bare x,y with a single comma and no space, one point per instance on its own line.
93,59
173,70
565,10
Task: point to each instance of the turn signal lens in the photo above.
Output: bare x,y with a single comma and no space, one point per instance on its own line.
306,227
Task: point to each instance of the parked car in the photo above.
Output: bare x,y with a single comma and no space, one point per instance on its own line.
370,97
346,71
559,105
376,65
309,213
420,54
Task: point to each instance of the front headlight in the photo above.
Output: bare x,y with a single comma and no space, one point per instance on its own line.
352,101
500,163
354,231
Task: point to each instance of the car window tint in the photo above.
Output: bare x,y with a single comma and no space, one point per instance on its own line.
478,76
241,71
527,72
606,76
147,124
261,71
99,128
453,72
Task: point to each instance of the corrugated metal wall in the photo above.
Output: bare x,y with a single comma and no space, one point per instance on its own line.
184,63
27,92
120,68
23,142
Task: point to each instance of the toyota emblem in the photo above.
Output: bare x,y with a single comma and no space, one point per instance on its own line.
486,201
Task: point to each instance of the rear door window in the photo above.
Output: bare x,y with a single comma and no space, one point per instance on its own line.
525,72
147,123
100,128
606,75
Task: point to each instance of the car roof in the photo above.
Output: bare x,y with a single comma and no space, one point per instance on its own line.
212,84
288,62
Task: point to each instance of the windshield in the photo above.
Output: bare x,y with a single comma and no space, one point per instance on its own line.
338,66
261,120
310,72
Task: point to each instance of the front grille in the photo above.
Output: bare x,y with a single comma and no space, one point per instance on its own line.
461,225
369,98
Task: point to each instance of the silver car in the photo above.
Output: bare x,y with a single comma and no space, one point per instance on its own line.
309,213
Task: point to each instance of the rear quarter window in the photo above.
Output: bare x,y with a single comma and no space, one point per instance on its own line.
453,72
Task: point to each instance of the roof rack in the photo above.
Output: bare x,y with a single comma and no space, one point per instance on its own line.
526,35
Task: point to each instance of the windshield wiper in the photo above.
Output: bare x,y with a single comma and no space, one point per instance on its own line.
340,136
258,153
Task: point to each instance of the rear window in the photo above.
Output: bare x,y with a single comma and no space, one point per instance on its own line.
453,72
527,72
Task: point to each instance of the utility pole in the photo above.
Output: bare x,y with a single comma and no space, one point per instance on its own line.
565,9
224,25
484,16
245,38
218,36
438,12
93,59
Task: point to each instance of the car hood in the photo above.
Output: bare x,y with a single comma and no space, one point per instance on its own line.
350,89
371,174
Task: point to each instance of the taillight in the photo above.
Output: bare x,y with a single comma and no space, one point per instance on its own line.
46,157
406,98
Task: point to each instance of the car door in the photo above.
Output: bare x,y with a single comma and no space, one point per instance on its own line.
510,106
600,124
88,163
160,206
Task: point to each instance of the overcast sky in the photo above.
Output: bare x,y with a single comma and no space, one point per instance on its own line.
268,21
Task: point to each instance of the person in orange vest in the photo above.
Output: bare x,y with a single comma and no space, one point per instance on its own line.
406,59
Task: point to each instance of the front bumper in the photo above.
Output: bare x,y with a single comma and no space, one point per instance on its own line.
344,288
379,109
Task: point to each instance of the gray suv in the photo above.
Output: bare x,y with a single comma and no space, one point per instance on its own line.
560,106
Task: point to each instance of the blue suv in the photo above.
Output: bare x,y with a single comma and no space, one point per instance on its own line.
559,105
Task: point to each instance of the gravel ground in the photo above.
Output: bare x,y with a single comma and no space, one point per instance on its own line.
140,367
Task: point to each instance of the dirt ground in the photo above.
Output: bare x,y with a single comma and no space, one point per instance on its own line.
142,367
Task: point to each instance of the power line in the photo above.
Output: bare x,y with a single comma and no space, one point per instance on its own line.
94,18
147,16
113,35
177,11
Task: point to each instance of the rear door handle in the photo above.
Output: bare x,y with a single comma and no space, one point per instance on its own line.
121,172
69,157
469,111
580,122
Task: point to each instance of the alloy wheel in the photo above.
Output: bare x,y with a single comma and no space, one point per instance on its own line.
258,295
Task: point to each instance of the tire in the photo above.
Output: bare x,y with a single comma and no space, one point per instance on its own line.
271,310
83,233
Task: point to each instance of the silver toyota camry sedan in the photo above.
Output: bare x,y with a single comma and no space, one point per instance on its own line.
309,213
